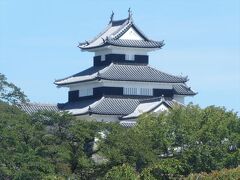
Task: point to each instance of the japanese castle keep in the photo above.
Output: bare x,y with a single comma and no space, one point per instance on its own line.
121,85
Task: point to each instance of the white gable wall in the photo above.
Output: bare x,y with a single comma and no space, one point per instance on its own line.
131,34
161,108
179,98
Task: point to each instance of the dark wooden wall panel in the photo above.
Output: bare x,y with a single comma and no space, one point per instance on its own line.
73,96
100,91
109,58
165,92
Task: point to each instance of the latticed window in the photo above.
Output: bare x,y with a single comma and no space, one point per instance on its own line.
146,91
86,92
138,91
130,57
103,57
130,91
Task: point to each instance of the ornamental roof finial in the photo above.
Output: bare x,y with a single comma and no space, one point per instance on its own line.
111,17
129,13
162,97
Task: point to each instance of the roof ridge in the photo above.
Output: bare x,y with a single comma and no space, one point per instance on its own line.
141,32
103,31
37,104
95,103
118,21
123,28
99,34
103,70
135,97
129,63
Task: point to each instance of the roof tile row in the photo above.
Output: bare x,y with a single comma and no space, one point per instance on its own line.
122,72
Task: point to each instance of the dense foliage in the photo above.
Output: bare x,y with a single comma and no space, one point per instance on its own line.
172,145
224,174
44,144
182,141
10,93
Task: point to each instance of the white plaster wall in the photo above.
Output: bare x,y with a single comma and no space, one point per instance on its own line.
126,84
136,84
109,83
85,85
121,50
179,98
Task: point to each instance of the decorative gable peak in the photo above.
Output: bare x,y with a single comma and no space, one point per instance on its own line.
121,33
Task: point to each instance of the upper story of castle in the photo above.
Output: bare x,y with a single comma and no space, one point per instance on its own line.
121,41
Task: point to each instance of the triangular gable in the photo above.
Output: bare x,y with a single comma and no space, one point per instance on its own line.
131,34
162,107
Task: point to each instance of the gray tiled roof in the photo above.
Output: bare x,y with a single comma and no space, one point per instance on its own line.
114,31
149,105
115,106
86,75
77,104
123,72
167,100
123,106
107,105
181,89
138,73
135,43
30,108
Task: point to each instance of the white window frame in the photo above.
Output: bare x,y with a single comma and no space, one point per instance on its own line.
146,91
130,91
103,57
85,92
130,57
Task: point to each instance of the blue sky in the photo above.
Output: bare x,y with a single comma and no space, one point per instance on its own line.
38,42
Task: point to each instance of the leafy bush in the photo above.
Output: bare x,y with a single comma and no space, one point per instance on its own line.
224,174
124,172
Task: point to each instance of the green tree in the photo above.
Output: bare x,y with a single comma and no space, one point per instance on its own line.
165,169
45,144
199,139
18,158
64,141
124,172
50,145
10,93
